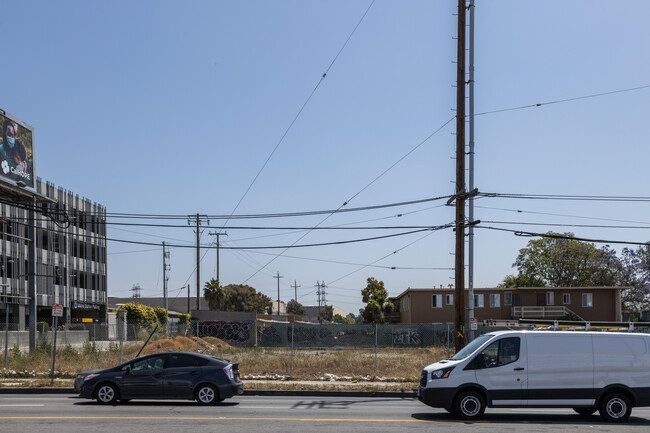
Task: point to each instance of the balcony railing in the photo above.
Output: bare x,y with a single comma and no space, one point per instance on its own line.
550,311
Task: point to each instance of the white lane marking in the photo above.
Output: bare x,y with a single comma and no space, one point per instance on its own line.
22,405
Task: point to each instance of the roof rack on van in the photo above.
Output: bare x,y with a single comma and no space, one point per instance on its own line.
584,325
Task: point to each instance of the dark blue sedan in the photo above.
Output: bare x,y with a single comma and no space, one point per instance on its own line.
172,375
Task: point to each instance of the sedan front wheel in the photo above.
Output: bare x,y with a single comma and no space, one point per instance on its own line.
106,393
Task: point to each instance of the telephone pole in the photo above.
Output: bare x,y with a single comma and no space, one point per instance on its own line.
217,234
278,276
320,291
470,264
295,290
166,268
460,181
198,219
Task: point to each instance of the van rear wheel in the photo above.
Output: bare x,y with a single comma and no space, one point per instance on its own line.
615,407
585,411
469,405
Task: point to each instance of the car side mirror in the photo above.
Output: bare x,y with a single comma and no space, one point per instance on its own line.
127,370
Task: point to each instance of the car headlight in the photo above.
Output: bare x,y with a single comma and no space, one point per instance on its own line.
90,376
442,373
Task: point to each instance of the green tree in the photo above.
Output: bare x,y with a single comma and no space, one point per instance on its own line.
340,319
514,281
183,319
326,313
215,294
377,304
138,314
247,299
162,315
295,307
635,274
560,261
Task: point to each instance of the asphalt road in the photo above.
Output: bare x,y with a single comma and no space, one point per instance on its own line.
66,413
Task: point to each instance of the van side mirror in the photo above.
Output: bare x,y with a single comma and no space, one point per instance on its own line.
477,363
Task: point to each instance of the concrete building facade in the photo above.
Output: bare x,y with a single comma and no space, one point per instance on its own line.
69,266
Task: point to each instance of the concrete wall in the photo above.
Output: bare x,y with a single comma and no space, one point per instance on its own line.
63,338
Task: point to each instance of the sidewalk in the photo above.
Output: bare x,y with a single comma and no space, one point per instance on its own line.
252,387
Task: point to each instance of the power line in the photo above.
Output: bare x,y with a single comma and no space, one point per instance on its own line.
608,198
561,215
558,236
359,192
559,101
286,247
567,225
298,114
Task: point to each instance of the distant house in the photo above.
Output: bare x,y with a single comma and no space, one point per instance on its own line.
312,310
437,305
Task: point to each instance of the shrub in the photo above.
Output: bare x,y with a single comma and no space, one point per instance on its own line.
42,326
183,319
138,314
162,315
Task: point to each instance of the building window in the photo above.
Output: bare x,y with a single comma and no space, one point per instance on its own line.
436,301
587,300
449,299
478,301
495,300
566,298
507,298
550,298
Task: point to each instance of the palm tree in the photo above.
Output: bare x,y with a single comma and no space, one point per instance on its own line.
215,294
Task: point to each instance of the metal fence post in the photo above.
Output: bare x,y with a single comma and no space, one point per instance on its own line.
7,332
375,350
293,332
448,342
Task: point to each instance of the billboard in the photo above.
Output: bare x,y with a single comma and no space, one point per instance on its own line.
16,152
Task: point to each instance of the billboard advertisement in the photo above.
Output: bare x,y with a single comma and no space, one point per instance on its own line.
16,152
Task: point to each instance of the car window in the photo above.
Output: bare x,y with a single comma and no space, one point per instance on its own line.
178,361
501,352
508,350
150,363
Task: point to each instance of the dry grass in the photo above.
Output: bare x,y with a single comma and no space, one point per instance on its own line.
393,365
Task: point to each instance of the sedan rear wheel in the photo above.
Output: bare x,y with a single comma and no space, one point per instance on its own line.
207,395
106,393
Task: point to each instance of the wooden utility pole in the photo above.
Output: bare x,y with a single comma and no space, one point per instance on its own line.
198,221
278,276
460,181
217,234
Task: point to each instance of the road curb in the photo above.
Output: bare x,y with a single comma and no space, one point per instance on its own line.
288,393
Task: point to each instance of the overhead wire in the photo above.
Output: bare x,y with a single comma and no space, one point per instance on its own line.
298,114
362,189
558,101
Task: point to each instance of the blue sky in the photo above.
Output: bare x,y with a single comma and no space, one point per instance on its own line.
169,107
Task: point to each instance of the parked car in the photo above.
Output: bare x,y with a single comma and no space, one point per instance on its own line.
606,372
171,375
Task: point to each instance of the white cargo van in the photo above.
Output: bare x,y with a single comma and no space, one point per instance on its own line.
586,371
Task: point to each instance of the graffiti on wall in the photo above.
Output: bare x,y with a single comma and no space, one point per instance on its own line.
407,337
231,332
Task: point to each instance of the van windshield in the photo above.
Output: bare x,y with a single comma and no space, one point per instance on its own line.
471,347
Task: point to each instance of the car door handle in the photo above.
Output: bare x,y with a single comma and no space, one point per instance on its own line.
193,372
519,368
157,375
